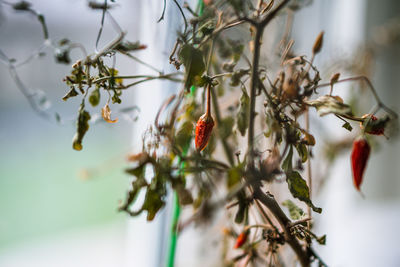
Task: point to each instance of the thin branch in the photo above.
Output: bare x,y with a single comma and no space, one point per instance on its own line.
370,86
269,201
101,24
163,12
183,15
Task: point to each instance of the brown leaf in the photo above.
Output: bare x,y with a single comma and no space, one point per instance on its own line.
106,114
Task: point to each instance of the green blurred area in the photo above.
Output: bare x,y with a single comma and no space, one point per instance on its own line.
46,187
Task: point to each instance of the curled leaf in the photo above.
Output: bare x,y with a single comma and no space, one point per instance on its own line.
71,93
330,104
106,114
82,128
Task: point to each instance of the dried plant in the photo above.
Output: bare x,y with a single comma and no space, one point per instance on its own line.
244,90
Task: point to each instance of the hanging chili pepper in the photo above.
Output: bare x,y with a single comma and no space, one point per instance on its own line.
241,239
204,126
359,159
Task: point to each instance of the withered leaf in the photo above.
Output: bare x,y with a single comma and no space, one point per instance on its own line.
82,128
106,114
330,104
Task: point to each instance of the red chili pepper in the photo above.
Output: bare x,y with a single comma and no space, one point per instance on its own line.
359,159
204,125
241,239
203,131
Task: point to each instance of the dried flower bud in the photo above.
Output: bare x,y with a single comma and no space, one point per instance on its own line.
203,131
241,239
318,43
359,159
335,77
377,128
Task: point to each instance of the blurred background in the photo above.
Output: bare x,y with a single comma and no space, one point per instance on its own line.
58,207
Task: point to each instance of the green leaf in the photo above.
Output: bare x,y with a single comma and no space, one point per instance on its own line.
287,163
82,128
184,135
299,189
295,212
192,59
137,171
137,184
237,49
241,213
154,199
321,240
234,175
302,151
94,98
244,112
236,76
347,126
330,104
225,127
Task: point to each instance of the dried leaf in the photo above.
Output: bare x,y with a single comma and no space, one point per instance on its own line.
106,114
71,93
82,128
330,104
347,126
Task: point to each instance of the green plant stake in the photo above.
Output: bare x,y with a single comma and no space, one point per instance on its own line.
176,208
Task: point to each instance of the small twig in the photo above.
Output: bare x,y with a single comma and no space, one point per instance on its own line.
300,221
103,15
183,15
141,61
163,12
370,86
309,171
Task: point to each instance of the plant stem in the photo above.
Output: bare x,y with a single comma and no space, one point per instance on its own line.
253,87
208,107
309,173
269,201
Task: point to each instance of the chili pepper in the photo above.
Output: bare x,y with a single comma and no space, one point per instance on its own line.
203,131
241,239
359,159
204,125
373,128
